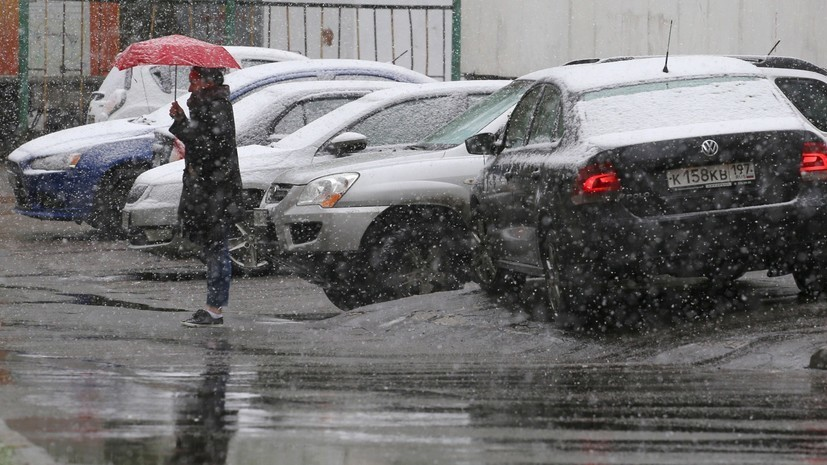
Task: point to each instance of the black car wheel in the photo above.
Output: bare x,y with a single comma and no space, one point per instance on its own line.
245,254
109,202
411,259
491,278
562,276
347,298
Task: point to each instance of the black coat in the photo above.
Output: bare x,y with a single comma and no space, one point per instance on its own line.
211,201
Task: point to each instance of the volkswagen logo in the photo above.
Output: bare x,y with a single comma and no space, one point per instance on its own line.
709,147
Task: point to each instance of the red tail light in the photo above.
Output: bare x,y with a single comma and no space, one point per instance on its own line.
814,161
594,182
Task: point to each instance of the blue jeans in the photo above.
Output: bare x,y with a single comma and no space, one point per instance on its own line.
219,272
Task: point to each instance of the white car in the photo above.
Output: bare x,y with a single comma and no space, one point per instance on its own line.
137,91
380,120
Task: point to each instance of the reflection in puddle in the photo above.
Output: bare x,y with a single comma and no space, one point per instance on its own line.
203,426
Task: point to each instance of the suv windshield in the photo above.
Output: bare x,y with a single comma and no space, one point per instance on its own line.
477,117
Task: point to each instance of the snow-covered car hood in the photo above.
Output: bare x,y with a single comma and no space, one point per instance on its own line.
259,164
78,139
255,161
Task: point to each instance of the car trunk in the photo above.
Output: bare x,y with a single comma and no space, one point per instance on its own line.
676,177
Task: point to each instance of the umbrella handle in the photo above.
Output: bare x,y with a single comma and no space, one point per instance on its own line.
175,87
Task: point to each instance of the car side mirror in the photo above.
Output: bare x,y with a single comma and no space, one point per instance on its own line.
483,144
347,142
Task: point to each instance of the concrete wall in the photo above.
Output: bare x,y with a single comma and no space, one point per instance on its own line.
513,37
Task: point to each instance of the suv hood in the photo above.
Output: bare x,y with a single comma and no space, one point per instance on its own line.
79,139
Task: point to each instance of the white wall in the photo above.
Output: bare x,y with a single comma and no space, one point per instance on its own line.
513,37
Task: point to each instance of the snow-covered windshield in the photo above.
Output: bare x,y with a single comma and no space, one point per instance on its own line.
477,117
677,103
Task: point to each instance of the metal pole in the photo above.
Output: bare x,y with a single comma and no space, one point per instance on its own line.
23,68
229,23
456,40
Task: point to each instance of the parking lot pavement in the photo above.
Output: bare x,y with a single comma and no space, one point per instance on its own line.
93,361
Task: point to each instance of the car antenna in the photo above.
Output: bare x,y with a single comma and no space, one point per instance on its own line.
668,44
773,48
399,56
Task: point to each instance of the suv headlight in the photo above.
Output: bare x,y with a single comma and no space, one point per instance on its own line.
59,162
327,190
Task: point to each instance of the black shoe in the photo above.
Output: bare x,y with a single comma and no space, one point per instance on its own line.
202,318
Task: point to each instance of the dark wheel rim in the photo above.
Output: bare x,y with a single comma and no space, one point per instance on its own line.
482,262
412,261
243,251
553,283
419,271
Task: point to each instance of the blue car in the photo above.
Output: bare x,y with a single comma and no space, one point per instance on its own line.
83,174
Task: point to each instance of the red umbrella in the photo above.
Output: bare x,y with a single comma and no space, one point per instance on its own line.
175,50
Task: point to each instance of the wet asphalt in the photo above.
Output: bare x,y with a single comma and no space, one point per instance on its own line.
96,369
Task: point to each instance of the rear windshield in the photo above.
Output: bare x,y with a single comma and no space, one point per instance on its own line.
678,103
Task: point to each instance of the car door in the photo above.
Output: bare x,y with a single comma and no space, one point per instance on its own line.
528,175
499,195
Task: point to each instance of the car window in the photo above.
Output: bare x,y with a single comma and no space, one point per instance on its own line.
477,117
546,126
410,121
305,112
809,96
165,77
518,124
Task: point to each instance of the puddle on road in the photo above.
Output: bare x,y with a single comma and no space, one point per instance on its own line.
231,409
100,301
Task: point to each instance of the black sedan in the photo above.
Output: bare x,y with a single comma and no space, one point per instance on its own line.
611,173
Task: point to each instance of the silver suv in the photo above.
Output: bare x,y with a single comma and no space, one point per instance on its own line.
382,226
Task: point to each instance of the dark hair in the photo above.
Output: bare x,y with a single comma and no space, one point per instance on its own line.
213,75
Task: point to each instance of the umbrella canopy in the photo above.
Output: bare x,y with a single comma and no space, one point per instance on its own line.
175,50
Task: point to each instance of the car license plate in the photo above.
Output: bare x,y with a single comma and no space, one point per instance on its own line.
723,175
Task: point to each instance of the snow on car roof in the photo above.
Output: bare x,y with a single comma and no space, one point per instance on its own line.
254,77
381,98
243,52
240,79
581,77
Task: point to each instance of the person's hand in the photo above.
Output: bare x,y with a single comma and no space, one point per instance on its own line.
176,112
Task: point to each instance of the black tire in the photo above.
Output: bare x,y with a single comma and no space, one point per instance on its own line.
417,257
811,282
484,270
569,286
347,298
247,258
110,200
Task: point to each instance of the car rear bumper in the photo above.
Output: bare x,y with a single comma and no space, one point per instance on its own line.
699,244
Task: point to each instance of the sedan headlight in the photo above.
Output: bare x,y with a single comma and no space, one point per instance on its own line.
59,162
326,191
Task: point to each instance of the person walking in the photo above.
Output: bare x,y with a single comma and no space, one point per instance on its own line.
211,200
